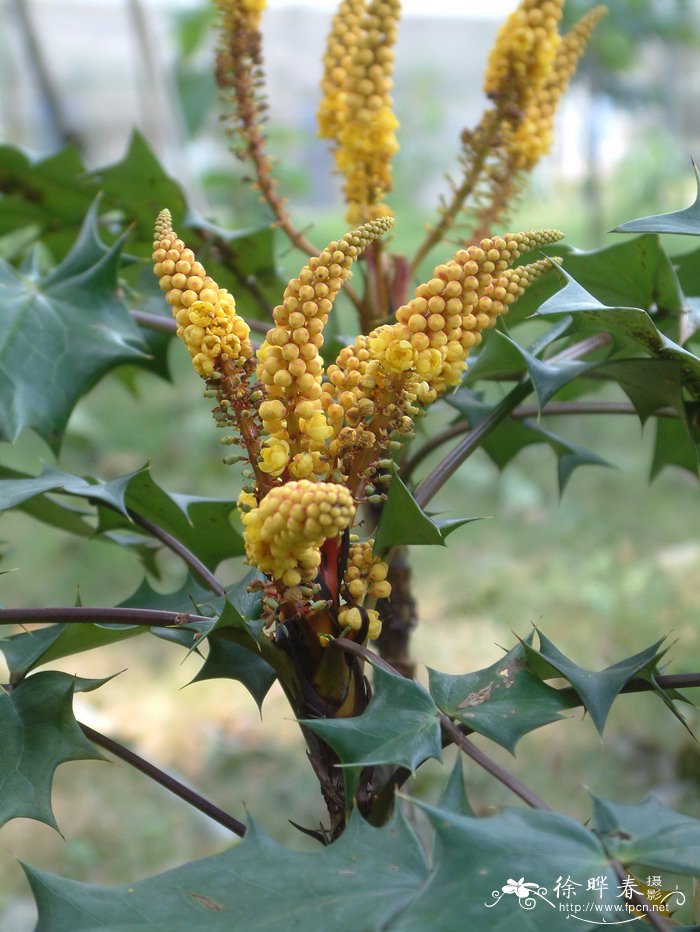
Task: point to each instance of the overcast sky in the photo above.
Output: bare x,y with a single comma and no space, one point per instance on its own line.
466,8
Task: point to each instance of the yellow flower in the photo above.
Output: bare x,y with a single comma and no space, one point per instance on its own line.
400,355
274,456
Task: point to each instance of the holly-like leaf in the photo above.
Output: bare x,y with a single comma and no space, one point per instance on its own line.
454,797
475,859
632,325
39,732
48,196
47,510
509,438
229,659
597,690
676,444
400,726
202,524
686,222
17,491
362,881
503,701
650,384
59,335
648,834
404,522
548,377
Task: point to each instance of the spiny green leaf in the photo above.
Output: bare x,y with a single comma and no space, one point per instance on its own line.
47,510
503,701
454,797
548,377
513,435
228,659
48,196
676,444
59,336
650,384
476,858
630,324
202,524
404,522
648,834
361,882
633,272
399,726
686,222
596,689
39,732
16,492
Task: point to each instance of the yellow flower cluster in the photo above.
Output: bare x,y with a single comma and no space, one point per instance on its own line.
524,51
289,365
358,83
533,137
337,63
382,376
366,573
351,617
206,314
285,532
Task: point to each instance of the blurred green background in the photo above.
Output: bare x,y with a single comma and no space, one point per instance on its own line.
604,572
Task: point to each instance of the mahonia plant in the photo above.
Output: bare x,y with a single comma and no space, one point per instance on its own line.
318,438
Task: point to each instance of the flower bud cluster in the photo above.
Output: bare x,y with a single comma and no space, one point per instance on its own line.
522,56
206,316
533,136
357,88
366,573
289,364
377,383
285,532
350,616
337,64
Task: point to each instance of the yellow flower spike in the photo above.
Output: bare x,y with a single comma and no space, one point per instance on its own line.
289,364
411,362
367,140
283,536
522,57
533,137
206,316
337,63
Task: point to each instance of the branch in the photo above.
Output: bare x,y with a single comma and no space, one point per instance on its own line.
154,321
194,563
164,779
435,480
48,89
450,730
86,614
359,650
399,776
555,408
